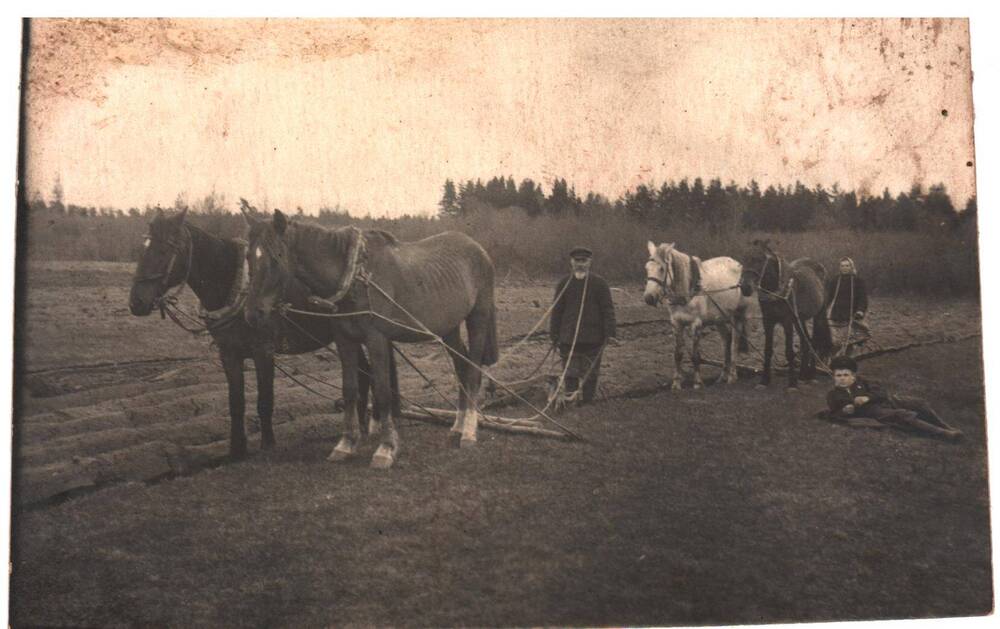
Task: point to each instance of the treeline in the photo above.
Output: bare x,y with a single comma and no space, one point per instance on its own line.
720,208
914,242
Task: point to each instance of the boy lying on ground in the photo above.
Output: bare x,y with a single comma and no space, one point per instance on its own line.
855,400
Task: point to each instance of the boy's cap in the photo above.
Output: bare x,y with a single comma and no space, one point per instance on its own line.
581,253
843,362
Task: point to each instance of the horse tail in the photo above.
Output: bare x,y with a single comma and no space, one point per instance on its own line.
491,348
822,339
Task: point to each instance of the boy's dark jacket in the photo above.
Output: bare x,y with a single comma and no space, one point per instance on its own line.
598,323
838,398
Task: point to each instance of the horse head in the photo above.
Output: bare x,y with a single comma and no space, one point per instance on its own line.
270,264
761,269
165,262
659,272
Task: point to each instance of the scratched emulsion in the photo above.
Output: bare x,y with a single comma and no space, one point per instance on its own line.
376,114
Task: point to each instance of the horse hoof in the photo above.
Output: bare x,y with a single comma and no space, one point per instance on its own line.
698,385
467,443
760,387
340,455
454,439
676,386
792,390
383,458
267,444
373,427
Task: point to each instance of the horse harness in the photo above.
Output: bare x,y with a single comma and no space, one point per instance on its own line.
771,295
356,273
236,300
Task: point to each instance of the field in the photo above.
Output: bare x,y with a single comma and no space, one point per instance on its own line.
724,505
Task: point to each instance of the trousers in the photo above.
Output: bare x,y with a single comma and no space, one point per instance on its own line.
585,365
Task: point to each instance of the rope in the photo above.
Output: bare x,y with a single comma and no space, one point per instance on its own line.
537,325
824,367
302,384
332,351
441,341
423,330
507,354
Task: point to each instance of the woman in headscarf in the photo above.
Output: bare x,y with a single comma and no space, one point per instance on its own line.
847,305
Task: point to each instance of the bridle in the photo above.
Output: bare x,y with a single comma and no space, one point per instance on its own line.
764,292
668,293
163,296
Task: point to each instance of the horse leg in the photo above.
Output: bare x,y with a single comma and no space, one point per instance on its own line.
263,359
479,326
696,331
454,341
790,355
728,341
379,353
678,357
368,422
232,362
765,378
350,353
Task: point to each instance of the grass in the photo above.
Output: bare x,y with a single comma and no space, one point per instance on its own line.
728,505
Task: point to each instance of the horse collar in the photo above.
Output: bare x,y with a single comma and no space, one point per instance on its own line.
354,265
237,293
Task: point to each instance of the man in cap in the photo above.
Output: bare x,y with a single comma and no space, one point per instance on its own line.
585,298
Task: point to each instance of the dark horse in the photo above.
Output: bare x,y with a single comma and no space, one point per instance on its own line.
176,252
408,292
789,294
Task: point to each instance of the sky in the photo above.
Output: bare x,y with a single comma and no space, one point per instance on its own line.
374,115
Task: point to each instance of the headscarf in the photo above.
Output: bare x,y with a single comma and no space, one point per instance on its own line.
854,269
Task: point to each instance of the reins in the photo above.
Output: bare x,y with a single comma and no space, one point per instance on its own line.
361,275
789,299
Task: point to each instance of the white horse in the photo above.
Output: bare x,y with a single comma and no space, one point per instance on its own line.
699,294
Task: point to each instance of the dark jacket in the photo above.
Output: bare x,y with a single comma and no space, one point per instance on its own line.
841,311
838,398
598,323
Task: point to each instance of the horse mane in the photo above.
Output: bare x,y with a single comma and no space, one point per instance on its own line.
381,234
312,235
685,270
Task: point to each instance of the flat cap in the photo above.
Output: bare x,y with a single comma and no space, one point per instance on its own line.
581,252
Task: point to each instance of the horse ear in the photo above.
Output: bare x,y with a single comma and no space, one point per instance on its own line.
247,211
280,222
180,217
652,249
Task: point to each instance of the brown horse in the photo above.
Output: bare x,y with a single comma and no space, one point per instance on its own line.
789,294
178,253
390,291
